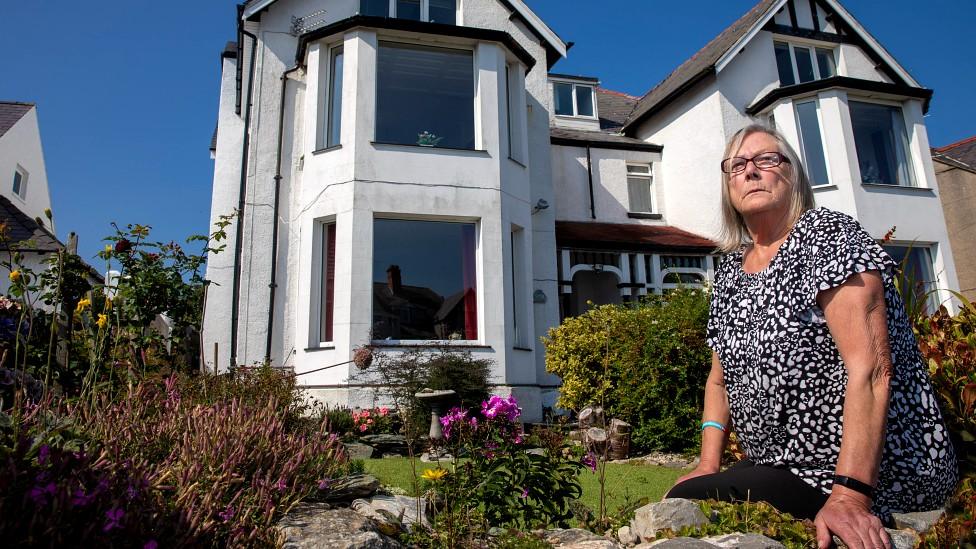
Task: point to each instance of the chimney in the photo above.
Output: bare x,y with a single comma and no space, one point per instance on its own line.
393,280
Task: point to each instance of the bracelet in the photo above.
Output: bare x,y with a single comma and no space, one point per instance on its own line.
715,424
854,484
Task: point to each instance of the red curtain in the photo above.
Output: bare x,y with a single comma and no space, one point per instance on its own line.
470,282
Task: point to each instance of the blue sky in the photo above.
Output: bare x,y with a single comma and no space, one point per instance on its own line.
127,90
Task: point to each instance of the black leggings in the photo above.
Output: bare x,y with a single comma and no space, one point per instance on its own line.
746,481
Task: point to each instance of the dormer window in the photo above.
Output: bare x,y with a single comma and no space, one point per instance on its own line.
798,63
573,99
435,11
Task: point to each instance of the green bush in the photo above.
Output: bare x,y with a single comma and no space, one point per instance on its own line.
645,363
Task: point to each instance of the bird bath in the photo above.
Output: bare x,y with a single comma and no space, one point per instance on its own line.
437,401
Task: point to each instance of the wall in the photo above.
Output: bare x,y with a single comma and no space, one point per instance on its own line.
957,192
610,193
21,146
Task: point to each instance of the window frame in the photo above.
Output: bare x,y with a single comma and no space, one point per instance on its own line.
424,11
333,52
323,293
649,177
823,146
929,287
24,177
812,47
575,101
909,154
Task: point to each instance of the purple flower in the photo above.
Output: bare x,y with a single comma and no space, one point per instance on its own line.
525,493
131,492
81,499
114,516
39,493
456,416
226,514
497,406
590,461
281,484
43,454
325,483
151,544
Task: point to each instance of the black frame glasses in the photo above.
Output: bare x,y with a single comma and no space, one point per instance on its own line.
764,161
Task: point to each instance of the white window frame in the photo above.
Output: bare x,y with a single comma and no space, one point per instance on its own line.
24,175
649,177
425,10
519,318
514,97
813,58
575,111
823,145
318,281
917,179
329,66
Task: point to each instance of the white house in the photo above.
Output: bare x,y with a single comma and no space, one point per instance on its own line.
409,171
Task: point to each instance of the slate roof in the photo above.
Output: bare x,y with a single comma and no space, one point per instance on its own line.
614,107
698,66
615,236
962,151
567,136
21,228
11,112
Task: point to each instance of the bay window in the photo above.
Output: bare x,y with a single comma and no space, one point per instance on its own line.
881,142
424,96
918,274
424,280
435,11
811,142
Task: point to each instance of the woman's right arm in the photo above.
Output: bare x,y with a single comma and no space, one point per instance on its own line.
716,409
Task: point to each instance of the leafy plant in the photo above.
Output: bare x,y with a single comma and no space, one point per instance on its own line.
759,517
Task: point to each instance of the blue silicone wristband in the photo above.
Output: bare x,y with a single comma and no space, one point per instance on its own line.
715,424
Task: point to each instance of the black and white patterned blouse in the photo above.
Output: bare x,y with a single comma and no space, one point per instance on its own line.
786,380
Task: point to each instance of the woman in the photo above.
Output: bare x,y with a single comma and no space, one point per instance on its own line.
814,362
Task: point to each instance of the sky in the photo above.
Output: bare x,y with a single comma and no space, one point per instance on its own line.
127,90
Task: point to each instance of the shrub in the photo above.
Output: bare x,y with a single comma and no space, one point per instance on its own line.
645,363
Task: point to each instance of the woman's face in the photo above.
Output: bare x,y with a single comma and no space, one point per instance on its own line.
753,191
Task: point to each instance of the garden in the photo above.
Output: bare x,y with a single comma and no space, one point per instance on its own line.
112,435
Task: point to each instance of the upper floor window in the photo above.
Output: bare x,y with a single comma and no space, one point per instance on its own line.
572,99
639,188
20,182
435,11
811,142
335,98
424,96
800,63
881,142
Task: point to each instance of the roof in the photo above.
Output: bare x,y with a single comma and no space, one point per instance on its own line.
962,151
699,65
614,107
599,140
21,228
628,237
11,112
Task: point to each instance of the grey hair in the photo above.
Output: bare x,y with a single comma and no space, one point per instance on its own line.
733,232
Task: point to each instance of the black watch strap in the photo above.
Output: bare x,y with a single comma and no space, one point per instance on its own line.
854,484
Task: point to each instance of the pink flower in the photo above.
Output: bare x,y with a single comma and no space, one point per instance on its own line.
525,493
325,483
590,461
226,514
363,427
384,411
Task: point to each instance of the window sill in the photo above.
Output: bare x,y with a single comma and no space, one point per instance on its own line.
644,215
413,344
327,149
577,117
328,347
828,187
438,150
899,188
517,348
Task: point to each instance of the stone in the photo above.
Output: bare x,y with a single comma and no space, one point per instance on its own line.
903,539
312,525
744,541
347,489
602,543
678,543
387,444
570,536
921,522
627,536
393,510
671,513
355,450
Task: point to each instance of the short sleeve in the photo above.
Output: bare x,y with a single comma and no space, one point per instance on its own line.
717,309
841,248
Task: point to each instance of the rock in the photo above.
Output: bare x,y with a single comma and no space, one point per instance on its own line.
349,488
536,451
311,525
602,543
744,541
387,444
920,522
393,510
627,536
570,536
672,513
903,539
678,543
356,450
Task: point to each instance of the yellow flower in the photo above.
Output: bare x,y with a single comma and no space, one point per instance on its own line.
434,474
108,303
108,249
102,321
14,276
82,305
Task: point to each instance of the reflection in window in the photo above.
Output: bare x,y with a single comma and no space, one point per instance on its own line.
424,96
881,142
442,11
584,101
915,263
811,143
783,64
825,63
378,8
435,11
20,183
335,98
802,63
408,9
563,98
424,283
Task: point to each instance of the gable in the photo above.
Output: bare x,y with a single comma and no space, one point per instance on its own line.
10,113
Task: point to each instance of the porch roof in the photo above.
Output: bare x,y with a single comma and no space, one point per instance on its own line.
629,237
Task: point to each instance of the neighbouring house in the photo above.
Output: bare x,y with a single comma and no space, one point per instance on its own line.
955,168
409,171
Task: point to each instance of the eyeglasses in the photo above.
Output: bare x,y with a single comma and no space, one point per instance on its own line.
763,161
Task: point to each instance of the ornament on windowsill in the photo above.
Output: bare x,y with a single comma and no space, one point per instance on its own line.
427,139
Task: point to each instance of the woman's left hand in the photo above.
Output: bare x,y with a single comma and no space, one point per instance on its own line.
848,516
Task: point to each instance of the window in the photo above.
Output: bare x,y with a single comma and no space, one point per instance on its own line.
327,293
435,11
811,142
572,99
513,92
424,280
518,328
639,180
915,262
335,98
424,96
881,142
20,182
798,64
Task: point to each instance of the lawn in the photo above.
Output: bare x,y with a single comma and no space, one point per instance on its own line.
624,483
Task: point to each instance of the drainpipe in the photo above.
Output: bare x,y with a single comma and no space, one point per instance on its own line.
238,244
589,175
274,220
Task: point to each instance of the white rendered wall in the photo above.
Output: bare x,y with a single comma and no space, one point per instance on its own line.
21,147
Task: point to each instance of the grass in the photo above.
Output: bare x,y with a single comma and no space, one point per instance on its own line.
624,483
